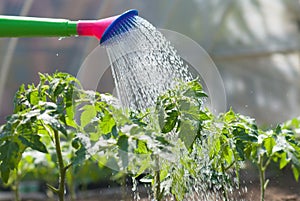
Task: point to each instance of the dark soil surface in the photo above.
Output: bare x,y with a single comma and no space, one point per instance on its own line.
282,187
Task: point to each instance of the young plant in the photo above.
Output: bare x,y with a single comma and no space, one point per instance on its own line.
227,135
42,111
215,146
180,115
279,145
59,115
127,138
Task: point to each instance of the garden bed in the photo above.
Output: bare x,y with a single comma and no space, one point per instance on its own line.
281,188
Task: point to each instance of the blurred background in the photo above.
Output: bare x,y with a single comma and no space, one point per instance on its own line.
254,43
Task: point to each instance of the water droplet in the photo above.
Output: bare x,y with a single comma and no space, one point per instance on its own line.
57,54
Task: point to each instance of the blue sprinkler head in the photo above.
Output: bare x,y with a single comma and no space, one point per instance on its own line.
121,24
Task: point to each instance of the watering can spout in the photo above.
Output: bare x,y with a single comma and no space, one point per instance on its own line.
94,28
103,29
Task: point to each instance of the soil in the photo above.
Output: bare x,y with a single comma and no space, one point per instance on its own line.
282,187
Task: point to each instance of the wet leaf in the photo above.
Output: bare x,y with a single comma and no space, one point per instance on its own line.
87,115
123,149
107,123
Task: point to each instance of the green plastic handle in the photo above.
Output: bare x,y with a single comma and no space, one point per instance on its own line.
17,26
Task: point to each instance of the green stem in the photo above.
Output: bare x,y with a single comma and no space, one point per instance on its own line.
17,185
229,166
157,196
62,168
261,170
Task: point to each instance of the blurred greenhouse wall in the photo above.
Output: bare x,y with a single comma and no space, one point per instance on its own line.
254,43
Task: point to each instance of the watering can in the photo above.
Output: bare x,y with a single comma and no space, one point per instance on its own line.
103,29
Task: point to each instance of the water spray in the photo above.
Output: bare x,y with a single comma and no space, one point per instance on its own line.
102,29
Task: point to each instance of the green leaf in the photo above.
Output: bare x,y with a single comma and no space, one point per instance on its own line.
76,143
169,121
10,156
296,172
53,122
162,140
269,143
228,155
107,123
187,133
34,97
94,136
70,102
217,146
164,172
283,160
34,142
5,172
229,116
204,116
89,112
242,134
123,143
80,155
70,114
141,147
282,144
194,89
241,149
123,149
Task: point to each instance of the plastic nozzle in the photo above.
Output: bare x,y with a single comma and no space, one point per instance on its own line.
103,28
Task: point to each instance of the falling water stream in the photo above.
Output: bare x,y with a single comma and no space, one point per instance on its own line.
144,64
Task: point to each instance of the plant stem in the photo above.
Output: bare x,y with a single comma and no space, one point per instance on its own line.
261,170
17,185
62,169
157,193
